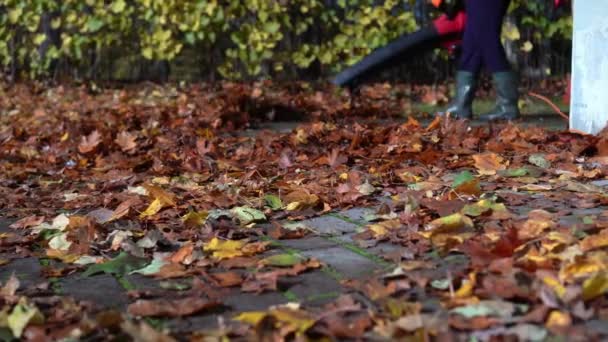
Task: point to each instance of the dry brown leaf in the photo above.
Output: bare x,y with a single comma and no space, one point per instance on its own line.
126,141
170,308
90,142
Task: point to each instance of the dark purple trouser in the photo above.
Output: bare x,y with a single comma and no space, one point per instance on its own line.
481,45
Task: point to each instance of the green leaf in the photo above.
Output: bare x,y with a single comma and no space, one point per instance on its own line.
94,24
15,14
272,27
118,6
121,265
248,215
152,268
23,314
521,172
273,202
462,178
282,260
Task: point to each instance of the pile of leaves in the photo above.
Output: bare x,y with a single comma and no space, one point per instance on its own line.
153,184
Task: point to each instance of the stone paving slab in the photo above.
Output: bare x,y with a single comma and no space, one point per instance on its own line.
27,270
347,263
308,243
103,290
314,288
330,225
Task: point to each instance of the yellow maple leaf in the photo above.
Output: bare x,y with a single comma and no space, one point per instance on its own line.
152,209
595,286
225,249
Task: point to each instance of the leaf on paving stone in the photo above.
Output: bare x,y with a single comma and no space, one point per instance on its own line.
300,200
539,160
27,222
10,288
595,286
22,315
488,163
126,141
227,279
383,228
281,260
279,232
273,202
248,215
122,264
152,209
152,268
170,308
90,142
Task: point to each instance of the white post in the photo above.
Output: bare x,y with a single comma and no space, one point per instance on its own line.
589,102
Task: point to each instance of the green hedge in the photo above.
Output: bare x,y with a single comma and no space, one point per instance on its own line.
253,37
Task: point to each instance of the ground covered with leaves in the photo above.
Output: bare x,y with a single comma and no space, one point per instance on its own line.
151,214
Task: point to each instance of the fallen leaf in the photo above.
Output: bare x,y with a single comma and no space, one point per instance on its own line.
281,260
90,142
228,279
170,308
248,215
22,315
489,163
126,141
595,286
28,222
152,209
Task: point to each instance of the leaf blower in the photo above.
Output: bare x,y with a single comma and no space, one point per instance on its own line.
446,31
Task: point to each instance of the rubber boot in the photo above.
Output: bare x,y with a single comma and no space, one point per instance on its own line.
507,97
385,57
462,105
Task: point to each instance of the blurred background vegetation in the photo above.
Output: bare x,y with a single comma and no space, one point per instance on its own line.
135,40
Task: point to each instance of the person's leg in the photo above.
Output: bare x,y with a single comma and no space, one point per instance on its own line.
467,74
488,25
